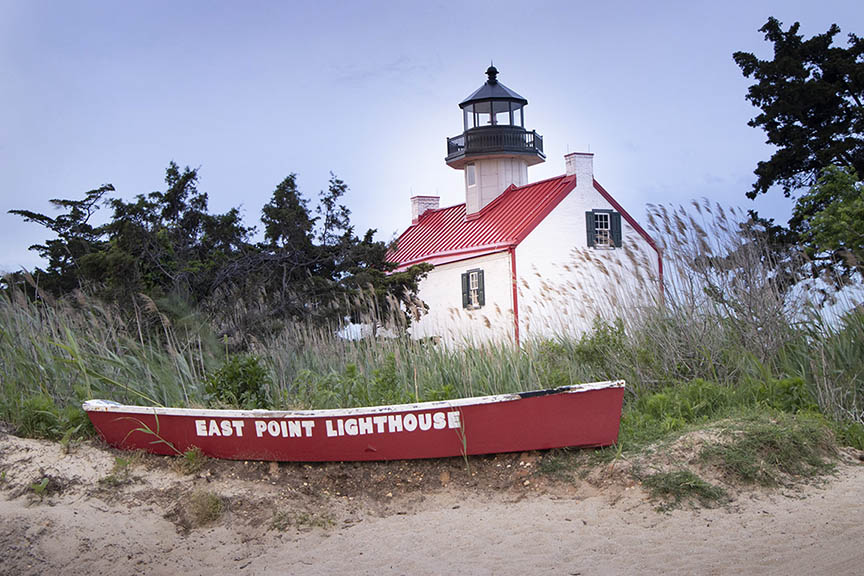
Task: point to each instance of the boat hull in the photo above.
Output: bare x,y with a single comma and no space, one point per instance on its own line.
582,415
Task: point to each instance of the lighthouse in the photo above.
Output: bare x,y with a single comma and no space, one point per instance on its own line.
522,260
494,150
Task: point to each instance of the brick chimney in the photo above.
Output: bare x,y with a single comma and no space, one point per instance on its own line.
420,204
580,164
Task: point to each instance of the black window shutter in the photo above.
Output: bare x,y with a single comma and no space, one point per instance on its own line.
465,299
615,225
481,289
589,227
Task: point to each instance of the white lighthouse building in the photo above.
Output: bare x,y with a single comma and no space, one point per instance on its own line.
521,260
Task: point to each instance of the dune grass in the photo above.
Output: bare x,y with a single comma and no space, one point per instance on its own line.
767,448
725,336
679,485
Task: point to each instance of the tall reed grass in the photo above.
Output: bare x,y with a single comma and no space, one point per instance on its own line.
725,318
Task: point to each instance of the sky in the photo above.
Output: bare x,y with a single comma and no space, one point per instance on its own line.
249,92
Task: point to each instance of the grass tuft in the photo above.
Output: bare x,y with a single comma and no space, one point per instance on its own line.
767,449
561,463
284,520
191,461
204,508
41,487
680,485
119,473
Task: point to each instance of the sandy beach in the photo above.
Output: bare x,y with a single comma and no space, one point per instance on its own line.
497,516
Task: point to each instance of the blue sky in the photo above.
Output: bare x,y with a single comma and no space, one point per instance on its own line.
99,92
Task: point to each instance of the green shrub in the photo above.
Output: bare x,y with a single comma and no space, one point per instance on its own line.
385,388
654,415
787,395
443,392
597,347
40,418
242,382
76,423
553,363
849,433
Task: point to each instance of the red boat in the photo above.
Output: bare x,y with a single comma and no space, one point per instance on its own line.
580,415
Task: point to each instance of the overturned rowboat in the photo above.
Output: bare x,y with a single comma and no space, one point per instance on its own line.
580,415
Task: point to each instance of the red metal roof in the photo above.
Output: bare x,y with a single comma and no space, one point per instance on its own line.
446,235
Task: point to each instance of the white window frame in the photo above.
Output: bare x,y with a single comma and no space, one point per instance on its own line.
474,288
471,175
603,234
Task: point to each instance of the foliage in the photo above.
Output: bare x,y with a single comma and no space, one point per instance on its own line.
167,246
562,463
192,461
167,242
764,448
382,385
204,507
241,382
725,339
76,238
120,472
810,96
40,488
849,433
680,485
830,218
287,223
40,417
673,409
593,351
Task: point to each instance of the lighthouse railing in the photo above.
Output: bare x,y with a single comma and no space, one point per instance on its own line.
494,139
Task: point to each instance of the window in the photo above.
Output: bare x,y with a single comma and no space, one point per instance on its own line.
471,174
603,228
602,237
517,117
473,290
501,113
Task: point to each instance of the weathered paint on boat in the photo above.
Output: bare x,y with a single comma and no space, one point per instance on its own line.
580,415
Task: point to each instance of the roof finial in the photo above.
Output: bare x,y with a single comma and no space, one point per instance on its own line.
492,72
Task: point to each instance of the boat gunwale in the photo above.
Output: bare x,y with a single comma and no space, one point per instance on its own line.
114,407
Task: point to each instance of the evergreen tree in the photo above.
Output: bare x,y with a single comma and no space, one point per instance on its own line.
76,238
811,102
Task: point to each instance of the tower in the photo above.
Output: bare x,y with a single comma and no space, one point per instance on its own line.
494,150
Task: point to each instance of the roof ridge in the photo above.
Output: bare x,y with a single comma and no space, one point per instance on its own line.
542,181
449,207
509,188
513,188
430,210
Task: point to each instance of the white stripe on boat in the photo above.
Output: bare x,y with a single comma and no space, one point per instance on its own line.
109,406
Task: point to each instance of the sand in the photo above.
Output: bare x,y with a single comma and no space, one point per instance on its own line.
500,517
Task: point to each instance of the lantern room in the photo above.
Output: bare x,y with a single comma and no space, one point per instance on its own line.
494,149
493,104
493,120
